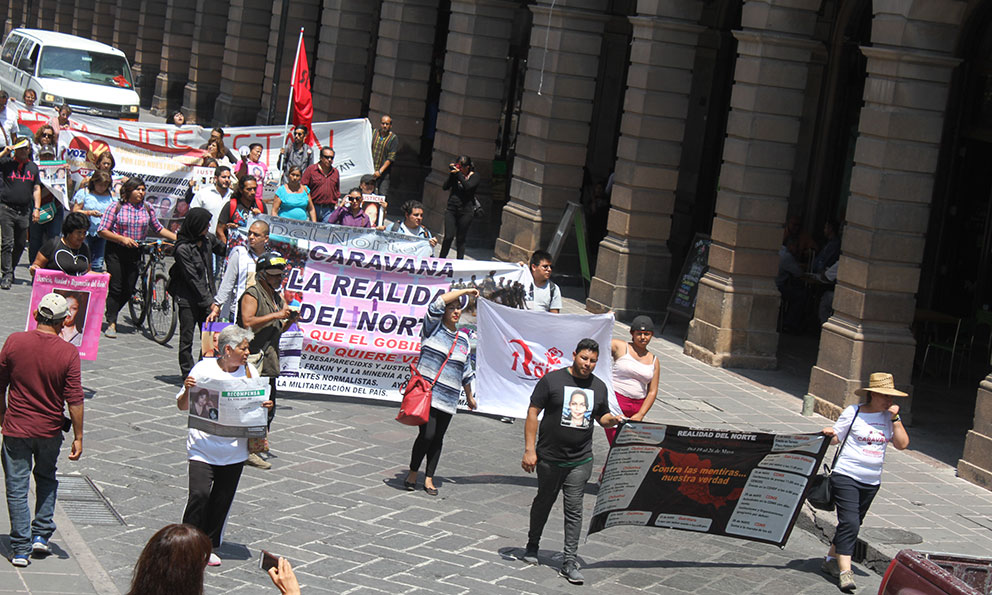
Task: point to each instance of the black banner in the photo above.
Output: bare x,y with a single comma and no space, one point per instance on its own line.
745,485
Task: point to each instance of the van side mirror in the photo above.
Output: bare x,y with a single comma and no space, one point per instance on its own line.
26,65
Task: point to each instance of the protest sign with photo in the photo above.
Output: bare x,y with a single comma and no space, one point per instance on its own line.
746,485
521,346
230,407
53,175
362,312
85,296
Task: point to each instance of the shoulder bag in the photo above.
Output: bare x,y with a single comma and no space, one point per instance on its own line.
415,409
818,493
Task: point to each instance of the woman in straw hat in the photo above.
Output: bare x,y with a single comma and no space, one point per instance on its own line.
869,427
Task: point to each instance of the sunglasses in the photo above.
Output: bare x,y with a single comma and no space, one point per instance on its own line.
327,156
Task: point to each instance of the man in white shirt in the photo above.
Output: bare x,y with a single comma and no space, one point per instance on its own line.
542,293
8,126
213,198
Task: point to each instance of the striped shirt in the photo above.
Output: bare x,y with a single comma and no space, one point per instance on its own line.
129,220
384,148
436,340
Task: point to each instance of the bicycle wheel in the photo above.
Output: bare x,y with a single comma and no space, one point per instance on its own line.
138,304
161,308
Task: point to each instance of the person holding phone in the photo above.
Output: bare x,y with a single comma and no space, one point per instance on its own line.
264,311
463,182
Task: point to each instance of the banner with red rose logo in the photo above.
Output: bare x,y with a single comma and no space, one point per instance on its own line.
518,347
746,485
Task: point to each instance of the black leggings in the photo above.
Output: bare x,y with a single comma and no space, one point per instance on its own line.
211,493
852,499
190,317
122,264
456,225
429,441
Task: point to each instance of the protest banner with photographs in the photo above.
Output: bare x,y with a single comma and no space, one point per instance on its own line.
54,176
85,296
230,407
746,485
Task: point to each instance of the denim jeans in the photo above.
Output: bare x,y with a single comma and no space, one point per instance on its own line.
13,236
17,463
323,212
552,479
97,247
39,233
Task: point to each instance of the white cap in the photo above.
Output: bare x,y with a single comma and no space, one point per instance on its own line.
53,307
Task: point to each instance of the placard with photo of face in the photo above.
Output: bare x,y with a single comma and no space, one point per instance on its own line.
576,412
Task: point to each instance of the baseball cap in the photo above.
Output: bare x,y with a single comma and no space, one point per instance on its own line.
270,260
642,323
21,144
53,307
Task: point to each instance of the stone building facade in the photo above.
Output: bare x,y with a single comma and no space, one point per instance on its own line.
721,117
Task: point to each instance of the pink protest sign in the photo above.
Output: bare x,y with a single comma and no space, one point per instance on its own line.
85,295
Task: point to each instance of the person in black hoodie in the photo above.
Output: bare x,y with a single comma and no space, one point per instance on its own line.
191,279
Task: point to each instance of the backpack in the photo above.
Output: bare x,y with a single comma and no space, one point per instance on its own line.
234,206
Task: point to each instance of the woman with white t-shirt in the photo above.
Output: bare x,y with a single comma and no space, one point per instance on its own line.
857,474
216,462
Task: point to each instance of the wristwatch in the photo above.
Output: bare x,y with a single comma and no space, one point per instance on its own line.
896,418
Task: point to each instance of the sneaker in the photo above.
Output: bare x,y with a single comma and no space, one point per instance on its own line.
506,420
570,570
256,461
20,560
213,560
530,555
845,581
830,567
6,282
39,547
111,332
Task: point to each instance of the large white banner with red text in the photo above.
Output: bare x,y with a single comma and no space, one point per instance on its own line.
164,156
518,347
362,311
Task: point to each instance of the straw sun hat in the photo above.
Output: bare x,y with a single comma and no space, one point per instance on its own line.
881,383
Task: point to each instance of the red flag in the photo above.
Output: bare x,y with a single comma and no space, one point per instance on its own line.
302,100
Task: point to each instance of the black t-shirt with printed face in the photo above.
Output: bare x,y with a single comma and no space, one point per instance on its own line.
570,405
63,258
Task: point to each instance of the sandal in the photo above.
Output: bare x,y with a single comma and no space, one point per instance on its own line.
410,485
430,491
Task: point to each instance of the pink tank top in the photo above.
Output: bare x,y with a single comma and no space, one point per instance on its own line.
630,377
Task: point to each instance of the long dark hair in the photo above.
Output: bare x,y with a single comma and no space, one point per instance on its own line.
129,186
465,161
172,562
241,189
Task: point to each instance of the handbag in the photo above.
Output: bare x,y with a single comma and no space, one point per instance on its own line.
818,493
46,213
256,445
415,409
477,211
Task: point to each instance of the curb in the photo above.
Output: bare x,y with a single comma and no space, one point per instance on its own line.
822,525
87,560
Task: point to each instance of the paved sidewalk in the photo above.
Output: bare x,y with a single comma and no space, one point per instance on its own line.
922,503
333,502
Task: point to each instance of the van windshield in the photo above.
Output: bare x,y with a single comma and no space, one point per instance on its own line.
85,67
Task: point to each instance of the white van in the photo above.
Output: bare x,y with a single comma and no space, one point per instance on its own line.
92,77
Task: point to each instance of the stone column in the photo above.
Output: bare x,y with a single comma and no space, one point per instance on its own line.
400,84
976,462
895,165
126,16
148,51
82,18
28,13
300,11
206,58
345,58
556,112
46,14
177,38
103,26
244,53
472,97
63,16
737,304
633,267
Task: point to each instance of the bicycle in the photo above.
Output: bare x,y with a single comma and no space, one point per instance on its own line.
151,299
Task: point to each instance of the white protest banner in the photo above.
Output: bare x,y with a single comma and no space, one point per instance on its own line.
283,231
362,311
518,347
747,485
231,407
